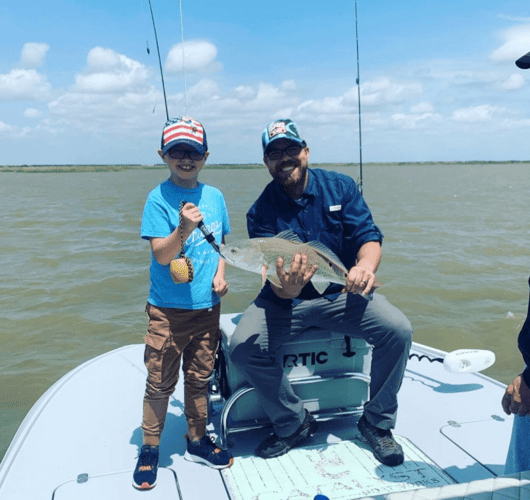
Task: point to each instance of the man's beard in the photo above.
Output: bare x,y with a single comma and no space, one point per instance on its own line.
290,184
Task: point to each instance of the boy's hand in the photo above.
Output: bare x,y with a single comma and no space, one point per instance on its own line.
191,216
220,286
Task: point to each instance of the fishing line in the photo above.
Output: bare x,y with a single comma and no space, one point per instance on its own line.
183,58
160,59
359,102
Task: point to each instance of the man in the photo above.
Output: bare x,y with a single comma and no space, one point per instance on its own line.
516,400
324,206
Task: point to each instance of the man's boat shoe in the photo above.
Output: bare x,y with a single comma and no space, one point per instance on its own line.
275,446
144,477
386,450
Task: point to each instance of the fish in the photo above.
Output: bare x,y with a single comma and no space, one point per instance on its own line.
255,254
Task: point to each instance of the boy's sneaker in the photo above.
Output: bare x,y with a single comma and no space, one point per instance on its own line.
386,450
144,477
275,446
206,452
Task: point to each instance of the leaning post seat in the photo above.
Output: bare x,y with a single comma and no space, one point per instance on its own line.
328,371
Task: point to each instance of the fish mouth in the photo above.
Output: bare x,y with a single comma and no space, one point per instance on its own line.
225,257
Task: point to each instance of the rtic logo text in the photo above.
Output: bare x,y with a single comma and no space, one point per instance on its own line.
305,359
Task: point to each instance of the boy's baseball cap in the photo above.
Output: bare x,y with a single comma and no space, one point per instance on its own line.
184,130
280,129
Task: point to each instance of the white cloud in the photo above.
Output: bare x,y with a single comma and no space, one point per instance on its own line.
474,114
24,84
288,85
33,55
414,120
516,43
32,113
515,81
422,107
4,128
245,92
199,56
110,72
12,131
383,91
517,124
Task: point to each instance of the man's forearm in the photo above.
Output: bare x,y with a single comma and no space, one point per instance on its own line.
369,256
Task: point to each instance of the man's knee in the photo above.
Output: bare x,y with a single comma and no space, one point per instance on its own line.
241,349
402,331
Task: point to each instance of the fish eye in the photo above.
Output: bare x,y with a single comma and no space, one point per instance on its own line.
233,250
330,264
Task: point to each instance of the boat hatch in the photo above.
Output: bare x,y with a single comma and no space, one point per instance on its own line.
344,470
464,435
118,486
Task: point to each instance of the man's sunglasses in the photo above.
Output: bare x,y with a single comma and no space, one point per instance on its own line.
277,154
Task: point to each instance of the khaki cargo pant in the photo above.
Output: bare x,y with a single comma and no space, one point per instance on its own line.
174,335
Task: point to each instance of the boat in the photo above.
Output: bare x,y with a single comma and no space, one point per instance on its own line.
81,439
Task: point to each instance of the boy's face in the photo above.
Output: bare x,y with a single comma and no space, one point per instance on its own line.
184,170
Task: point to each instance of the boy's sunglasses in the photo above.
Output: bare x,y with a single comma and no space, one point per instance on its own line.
180,154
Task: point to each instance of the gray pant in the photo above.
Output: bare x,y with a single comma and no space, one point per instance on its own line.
265,326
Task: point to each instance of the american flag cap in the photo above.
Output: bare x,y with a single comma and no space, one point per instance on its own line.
184,130
280,129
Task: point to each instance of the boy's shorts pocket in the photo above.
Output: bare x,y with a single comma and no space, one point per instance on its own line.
158,332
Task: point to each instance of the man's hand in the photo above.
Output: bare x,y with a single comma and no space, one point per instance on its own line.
359,280
298,276
516,399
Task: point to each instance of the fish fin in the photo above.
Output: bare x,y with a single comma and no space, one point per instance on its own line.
321,286
273,278
323,249
289,235
330,258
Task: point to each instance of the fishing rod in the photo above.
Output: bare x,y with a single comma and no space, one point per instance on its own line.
159,59
359,103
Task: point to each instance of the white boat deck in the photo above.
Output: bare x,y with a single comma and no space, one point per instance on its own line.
81,439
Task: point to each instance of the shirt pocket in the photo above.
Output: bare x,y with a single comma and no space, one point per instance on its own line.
158,332
332,228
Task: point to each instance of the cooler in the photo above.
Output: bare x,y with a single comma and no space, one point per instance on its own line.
328,371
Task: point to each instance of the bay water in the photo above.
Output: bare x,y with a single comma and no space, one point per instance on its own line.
74,273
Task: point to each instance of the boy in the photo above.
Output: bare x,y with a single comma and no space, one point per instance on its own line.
184,317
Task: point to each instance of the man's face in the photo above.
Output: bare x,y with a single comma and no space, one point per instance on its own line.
289,164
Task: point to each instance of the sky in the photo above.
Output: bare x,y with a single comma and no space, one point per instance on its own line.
438,80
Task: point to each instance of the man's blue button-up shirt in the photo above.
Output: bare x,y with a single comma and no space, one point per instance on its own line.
331,210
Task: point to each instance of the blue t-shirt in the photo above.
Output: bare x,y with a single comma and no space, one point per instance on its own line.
160,218
331,210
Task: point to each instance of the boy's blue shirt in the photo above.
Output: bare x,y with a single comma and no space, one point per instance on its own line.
160,218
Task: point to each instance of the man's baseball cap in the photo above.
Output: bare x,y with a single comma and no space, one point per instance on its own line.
184,130
281,129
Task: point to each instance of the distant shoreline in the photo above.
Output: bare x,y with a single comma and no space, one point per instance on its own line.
117,168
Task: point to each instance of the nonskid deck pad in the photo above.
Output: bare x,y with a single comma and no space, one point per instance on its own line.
346,470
